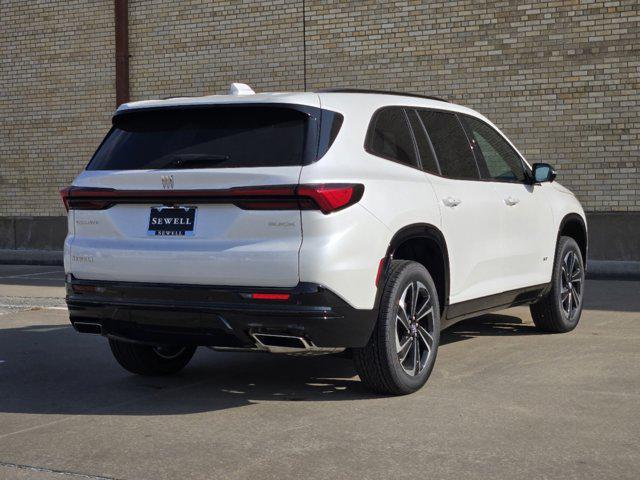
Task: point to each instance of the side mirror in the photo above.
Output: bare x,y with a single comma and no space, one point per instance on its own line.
543,172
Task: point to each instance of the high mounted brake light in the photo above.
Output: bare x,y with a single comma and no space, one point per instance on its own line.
327,198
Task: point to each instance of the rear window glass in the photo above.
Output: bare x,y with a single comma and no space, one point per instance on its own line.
390,138
217,137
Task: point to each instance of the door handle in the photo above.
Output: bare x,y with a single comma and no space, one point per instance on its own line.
511,201
451,202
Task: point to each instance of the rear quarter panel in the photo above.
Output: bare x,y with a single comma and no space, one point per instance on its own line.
343,250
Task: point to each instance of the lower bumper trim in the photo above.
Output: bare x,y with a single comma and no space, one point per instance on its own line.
215,316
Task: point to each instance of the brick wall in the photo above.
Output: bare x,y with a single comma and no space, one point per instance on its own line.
56,94
560,78
186,48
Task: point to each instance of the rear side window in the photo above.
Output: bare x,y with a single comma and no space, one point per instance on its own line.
213,137
450,144
389,137
503,162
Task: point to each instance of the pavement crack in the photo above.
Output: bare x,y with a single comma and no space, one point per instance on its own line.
67,473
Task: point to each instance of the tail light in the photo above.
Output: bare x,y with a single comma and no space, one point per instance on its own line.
331,197
88,198
64,193
327,198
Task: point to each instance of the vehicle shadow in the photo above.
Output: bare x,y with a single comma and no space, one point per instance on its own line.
51,369
31,276
493,324
33,282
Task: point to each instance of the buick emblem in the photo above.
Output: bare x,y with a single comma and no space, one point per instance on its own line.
167,182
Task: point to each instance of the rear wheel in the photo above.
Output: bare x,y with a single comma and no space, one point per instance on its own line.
402,350
149,359
560,309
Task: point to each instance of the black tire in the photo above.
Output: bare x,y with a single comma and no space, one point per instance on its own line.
149,360
550,313
378,363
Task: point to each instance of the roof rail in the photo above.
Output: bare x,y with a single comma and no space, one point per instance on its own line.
381,92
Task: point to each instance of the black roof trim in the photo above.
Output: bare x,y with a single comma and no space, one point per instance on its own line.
382,92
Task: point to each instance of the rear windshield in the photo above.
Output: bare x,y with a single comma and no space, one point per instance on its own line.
214,137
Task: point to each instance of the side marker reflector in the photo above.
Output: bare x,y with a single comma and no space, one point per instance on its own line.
380,270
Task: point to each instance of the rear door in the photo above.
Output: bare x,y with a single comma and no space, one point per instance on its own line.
195,196
469,207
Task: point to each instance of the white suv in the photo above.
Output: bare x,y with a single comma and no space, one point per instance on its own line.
313,223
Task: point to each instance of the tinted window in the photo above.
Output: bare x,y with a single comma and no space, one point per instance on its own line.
503,162
425,151
330,127
451,145
389,136
217,137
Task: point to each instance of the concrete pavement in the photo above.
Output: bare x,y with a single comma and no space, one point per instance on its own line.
504,402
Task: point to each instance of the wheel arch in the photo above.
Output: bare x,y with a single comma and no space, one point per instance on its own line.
425,244
573,225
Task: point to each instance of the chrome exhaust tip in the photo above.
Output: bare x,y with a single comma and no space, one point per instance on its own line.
290,344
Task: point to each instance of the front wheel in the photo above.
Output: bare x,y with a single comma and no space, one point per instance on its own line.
149,359
559,310
401,352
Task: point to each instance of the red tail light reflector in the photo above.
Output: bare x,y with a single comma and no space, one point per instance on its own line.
270,296
84,288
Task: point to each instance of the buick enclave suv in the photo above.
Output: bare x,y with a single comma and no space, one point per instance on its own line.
313,223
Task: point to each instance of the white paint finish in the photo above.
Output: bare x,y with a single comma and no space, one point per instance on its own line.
528,234
243,261
472,230
342,251
562,202
395,196
230,246
304,98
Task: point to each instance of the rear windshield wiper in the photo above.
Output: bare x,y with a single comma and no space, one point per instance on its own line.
194,160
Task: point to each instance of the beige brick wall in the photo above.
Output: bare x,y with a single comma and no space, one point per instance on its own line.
560,78
56,94
198,47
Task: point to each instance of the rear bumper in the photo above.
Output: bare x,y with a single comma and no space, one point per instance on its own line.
213,315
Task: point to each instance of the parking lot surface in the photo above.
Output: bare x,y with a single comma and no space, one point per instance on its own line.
504,402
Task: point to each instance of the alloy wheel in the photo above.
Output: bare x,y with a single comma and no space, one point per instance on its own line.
571,281
414,328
